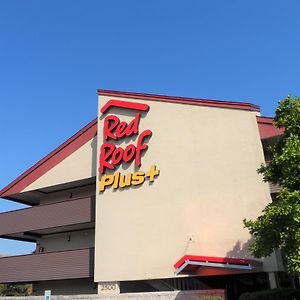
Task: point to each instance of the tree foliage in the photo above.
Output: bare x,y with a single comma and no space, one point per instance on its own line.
279,224
15,289
273,294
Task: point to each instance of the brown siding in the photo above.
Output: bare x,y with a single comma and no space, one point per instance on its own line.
274,188
48,216
47,266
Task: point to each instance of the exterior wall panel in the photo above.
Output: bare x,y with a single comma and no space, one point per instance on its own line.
48,216
67,240
207,157
47,266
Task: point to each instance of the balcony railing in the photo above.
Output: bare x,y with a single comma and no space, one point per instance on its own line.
68,264
274,188
47,216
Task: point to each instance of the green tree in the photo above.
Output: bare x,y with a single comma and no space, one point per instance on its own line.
279,224
15,289
2,289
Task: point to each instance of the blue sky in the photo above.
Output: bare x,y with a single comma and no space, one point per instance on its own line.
55,54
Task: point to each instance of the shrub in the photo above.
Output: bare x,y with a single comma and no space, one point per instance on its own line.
274,294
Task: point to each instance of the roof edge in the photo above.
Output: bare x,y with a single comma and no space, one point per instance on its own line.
263,119
267,129
182,100
51,160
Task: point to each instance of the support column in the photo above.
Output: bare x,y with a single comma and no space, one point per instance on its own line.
272,280
109,288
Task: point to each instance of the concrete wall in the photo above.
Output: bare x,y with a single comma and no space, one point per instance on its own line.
186,295
66,287
79,165
63,195
207,185
68,240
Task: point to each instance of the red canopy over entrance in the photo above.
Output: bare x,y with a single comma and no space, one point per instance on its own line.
209,265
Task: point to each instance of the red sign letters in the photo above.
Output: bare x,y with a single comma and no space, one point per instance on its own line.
114,129
111,155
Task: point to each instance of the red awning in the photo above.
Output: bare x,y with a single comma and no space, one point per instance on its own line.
208,265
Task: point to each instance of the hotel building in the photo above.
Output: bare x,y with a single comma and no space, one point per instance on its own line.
150,196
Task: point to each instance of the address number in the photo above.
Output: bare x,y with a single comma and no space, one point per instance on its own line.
108,287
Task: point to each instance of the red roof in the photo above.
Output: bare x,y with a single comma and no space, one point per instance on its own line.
182,100
51,160
267,129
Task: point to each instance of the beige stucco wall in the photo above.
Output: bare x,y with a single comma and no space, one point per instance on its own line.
69,194
207,185
79,165
67,240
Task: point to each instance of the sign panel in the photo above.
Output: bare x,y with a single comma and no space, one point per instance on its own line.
112,153
47,295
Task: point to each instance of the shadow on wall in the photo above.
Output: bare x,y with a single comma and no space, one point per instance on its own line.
240,250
